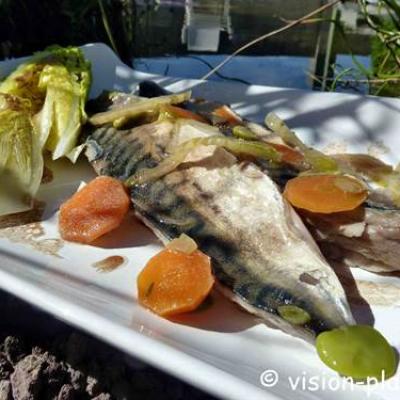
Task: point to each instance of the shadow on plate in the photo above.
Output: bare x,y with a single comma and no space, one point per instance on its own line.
391,274
35,215
359,306
218,314
257,102
131,233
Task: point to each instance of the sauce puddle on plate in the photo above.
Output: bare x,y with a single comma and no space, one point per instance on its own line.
26,228
109,264
47,176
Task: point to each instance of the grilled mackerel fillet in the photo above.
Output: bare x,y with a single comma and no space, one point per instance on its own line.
262,255
368,237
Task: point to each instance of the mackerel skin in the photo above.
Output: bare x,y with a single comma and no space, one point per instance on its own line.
262,255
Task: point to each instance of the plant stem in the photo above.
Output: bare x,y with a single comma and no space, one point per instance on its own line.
268,35
107,26
372,80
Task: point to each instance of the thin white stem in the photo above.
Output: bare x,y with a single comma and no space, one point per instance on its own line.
268,35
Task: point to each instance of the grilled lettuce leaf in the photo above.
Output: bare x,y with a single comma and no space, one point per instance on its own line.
41,107
21,159
66,86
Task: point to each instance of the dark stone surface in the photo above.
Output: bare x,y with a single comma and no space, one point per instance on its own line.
41,358
26,380
102,396
14,349
5,390
5,367
67,392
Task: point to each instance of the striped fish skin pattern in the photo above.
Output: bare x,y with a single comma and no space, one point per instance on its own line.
262,255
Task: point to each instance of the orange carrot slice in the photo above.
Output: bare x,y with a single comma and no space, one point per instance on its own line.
96,209
228,115
325,193
174,282
183,113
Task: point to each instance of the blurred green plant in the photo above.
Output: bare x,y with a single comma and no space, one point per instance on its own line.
385,51
29,25
383,78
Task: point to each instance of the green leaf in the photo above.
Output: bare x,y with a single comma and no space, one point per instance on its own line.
23,82
66,84
21,160
41,105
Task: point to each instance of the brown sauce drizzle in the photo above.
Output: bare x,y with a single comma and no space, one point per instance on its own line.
26,228
31,216
47,176
109,264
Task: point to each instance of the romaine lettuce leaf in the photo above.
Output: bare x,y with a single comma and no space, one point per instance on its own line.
23,82
56,82
66,85
62,114
41,107
21,159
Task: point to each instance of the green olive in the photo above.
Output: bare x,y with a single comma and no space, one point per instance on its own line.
293,314
357,351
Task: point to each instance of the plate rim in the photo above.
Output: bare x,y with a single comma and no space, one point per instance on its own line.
227,385
148,349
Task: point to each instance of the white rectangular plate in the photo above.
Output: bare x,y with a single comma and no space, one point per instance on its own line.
221,349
